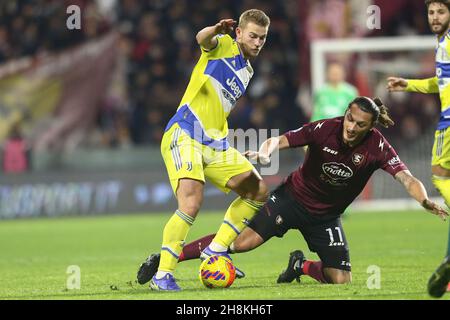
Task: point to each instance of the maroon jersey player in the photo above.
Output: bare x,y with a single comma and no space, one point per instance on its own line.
334,172
342,155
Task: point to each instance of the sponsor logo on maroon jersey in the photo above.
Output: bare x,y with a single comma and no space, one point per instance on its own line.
337,171
357,159
326,149
394,161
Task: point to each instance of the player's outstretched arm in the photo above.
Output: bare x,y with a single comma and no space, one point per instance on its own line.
416,189
395,84
430,85
206,36
267,148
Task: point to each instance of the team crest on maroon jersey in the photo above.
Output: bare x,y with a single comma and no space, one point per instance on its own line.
357,159
279,220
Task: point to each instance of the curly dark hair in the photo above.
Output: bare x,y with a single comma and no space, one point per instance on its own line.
446,2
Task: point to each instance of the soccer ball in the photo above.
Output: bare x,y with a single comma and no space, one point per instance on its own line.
217,272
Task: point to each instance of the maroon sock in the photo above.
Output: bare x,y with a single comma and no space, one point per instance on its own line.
314,270
193,249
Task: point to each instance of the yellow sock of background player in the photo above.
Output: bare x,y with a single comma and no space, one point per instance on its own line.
443,185
240,212
174,235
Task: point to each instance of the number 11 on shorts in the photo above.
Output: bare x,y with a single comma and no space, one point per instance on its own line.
339,233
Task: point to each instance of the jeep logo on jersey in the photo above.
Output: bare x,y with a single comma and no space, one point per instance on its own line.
337,171
357,159
234,86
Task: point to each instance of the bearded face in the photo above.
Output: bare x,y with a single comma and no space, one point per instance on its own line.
438,18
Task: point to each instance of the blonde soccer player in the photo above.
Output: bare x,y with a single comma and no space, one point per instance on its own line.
195,148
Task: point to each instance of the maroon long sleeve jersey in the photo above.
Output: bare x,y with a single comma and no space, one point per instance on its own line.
334,174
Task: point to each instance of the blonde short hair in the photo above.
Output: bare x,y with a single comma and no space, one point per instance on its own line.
254,15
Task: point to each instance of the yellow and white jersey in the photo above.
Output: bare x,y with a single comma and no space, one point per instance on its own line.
219,79
440,83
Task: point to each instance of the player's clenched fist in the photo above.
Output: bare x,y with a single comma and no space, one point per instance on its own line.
396,84
225,26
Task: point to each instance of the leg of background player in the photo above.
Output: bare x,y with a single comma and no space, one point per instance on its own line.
443,185
441,180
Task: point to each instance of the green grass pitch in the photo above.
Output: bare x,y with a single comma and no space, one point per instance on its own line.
35,255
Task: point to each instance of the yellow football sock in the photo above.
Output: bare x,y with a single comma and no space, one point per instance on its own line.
174,235
236,219
443,186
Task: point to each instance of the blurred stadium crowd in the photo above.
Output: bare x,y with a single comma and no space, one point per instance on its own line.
158,48
29,28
